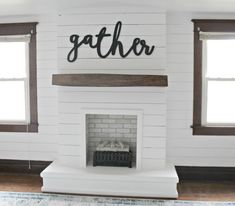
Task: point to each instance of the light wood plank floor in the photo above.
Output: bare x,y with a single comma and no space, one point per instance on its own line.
188,190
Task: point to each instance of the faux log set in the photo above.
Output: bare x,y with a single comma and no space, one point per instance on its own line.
109,80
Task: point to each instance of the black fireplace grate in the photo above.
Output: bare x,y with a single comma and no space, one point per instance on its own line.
111,158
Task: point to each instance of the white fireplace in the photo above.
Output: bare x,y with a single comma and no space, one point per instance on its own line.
72,173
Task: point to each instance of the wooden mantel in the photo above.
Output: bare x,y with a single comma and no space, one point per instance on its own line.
109,80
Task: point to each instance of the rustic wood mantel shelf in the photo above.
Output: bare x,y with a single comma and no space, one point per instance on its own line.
109,80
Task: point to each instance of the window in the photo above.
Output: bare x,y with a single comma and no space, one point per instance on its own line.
18,81
214,77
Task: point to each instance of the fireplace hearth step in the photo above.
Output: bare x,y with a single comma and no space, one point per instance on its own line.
114,181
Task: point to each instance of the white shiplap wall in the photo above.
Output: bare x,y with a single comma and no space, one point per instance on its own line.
182,147
41,145
152,101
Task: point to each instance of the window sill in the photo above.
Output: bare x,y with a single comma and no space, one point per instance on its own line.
19,128
206,130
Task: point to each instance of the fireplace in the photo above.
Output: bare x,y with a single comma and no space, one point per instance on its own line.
132,114
111,125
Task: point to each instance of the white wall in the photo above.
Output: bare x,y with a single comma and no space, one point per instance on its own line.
61,123
42,145
182,147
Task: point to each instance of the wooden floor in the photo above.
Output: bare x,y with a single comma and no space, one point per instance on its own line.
188,190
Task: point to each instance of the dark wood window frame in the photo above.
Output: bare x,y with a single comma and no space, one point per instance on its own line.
206,25
22,29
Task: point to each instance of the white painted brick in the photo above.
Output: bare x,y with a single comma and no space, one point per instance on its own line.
101,116
95,120
109,130
134,121
123,130
116,126
133,131
95,130
123,121
101,125
116,135
91,125
108,121
130,136
116,116
130,126
129,117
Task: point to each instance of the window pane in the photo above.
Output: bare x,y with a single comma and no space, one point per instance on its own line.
12,59
220,58
12,104
221,102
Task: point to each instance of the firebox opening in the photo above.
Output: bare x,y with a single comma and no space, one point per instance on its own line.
111,140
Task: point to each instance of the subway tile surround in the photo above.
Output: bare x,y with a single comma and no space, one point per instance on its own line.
102,127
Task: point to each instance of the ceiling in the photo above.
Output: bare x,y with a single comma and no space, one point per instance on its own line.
15,7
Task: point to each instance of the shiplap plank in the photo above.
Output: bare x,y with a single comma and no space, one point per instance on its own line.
48,120
201,152
46,64
180,57
69,119
154,131
70,139
180,86
148,163
179,106
202,143
202,161
70,129
48,129
111,64
180,67
132,30
74,161
83,19
180,77
180,28
154,153
179,132
27,138
179,115
153,142
180,47
155,90
154,120
70,150
179,123
74,108
43,147
136,71
111,97
180,38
